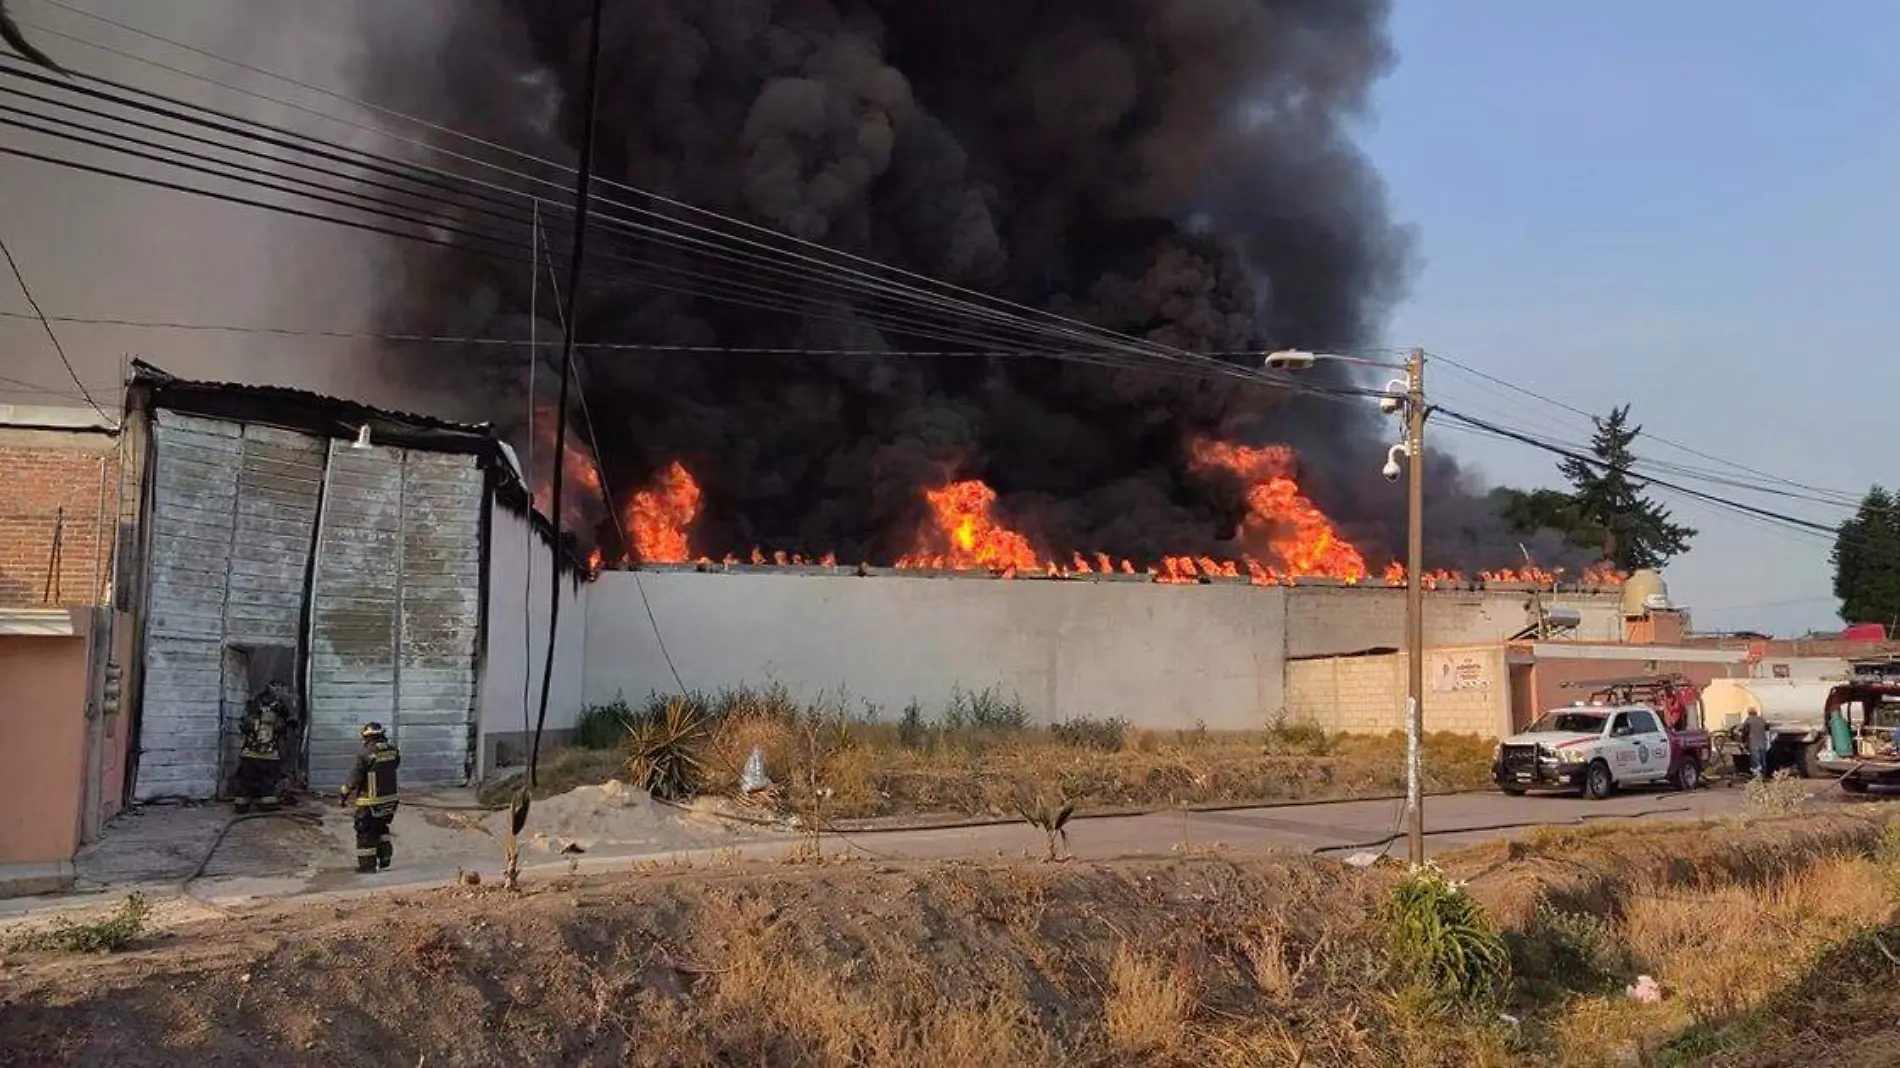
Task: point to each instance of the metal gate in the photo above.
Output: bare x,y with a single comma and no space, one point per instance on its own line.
395,609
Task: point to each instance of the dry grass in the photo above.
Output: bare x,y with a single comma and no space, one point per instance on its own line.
1148,1007
1728,917
979,760
1218,962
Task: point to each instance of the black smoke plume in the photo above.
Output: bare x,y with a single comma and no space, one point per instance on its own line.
1178,170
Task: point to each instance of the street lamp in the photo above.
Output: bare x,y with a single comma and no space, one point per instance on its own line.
1406,397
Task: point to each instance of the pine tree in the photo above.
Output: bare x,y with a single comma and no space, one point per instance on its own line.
1867,561
1636,531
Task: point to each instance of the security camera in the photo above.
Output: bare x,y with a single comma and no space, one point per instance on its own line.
1394,398
1391,470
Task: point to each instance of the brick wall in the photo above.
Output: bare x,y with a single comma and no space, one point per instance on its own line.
42,473
1366,694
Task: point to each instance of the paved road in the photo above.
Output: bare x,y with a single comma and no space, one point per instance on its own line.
1452,822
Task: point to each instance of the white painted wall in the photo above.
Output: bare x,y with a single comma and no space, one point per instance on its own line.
516,641
1159,655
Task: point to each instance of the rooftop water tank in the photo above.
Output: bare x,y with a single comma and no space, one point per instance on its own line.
1644,592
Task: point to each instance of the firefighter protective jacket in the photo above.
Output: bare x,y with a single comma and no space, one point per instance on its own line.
373,779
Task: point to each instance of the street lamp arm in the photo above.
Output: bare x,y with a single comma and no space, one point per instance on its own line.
1300,360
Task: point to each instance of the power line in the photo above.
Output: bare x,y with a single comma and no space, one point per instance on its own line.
1570,454
382,208
1099,335
421,337
21,385
593,436
27,292
1593,418
569,315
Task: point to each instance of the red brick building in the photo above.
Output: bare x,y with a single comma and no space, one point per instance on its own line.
59,493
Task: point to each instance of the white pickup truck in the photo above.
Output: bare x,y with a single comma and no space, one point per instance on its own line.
1598,748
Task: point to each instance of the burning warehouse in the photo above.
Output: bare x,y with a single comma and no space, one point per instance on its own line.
355,556
758,387
373,562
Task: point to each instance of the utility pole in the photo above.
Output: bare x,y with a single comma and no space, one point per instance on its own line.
1415,602
1404,398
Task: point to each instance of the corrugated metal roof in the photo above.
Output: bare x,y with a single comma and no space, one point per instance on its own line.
336,417
169,391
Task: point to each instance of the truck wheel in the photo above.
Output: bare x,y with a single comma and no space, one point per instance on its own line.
1811,760
1853,785
1597,783
1689,775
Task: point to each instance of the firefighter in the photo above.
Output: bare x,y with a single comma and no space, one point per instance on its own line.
373,787
265,729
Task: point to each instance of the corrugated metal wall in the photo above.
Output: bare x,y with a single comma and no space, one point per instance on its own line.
395,611
233,515
194,499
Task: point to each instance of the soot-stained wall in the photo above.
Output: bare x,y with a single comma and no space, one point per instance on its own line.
1158,655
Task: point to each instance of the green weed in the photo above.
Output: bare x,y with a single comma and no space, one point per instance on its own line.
1442,942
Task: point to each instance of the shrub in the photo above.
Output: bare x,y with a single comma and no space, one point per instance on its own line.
668,752
604,726
985,709
1776,796
1568,951
1442,941
1297,737
1107,735
109,935
912,731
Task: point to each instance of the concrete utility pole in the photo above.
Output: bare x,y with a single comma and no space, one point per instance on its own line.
1415,602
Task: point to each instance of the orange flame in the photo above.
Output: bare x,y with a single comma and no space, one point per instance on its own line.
659,517
962,534
581,495
1280,519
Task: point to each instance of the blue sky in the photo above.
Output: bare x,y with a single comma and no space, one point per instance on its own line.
1692,207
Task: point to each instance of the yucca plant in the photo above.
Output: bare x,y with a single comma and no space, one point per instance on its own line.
666,752
1444,941
1051,818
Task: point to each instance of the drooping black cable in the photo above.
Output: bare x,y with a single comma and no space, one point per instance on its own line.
583,180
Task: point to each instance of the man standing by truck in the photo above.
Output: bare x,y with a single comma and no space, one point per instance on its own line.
1755,736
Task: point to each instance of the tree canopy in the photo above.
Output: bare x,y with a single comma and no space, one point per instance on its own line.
1605,508
1866,561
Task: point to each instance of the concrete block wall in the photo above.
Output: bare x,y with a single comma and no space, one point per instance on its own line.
1366,694
1331,620
1160,656
515,644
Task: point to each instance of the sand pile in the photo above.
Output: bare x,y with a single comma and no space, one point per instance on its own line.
612,814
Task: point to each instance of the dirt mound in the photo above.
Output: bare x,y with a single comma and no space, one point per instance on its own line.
612,814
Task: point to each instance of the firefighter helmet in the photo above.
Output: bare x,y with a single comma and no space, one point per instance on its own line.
373,732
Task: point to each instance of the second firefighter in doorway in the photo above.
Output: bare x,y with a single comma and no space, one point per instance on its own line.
265,731
373,787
